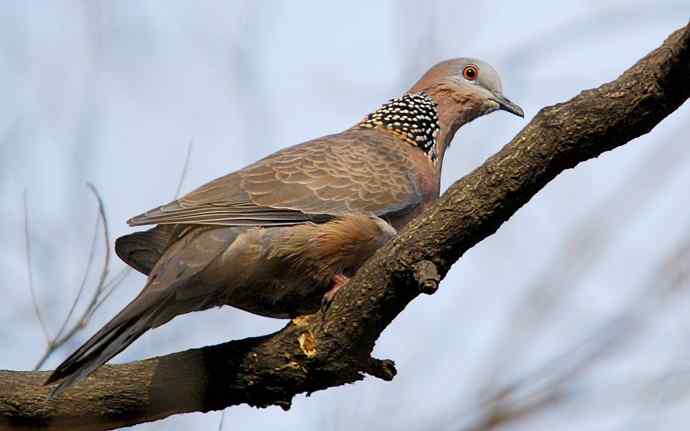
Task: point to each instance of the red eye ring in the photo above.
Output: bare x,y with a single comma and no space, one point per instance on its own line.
470,72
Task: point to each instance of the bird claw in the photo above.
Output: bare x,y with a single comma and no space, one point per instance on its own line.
338,281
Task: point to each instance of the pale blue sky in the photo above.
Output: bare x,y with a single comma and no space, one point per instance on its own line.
112,93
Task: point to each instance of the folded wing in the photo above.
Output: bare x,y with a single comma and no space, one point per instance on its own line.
346,173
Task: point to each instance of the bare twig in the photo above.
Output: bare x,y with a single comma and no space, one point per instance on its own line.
82,286
29,271
110,287
222,420
106,240
185,168
104,287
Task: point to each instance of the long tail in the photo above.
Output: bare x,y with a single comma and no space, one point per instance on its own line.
173,289
143,313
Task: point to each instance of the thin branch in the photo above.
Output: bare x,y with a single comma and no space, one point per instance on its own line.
106,248
222,420
104,287
185,168
29,271
87,271
111,286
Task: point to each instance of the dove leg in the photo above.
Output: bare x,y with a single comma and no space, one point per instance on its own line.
338,281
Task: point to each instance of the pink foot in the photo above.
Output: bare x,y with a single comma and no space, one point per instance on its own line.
338,281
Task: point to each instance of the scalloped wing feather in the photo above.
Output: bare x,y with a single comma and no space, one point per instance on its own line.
359,171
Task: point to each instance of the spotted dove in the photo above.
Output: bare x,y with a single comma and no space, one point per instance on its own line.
276,237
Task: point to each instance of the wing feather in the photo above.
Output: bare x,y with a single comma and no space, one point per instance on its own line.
359,171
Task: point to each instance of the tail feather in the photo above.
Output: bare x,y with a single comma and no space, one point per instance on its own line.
142,250
131,323
173,289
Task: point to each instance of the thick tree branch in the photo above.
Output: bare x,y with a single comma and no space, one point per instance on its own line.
316,352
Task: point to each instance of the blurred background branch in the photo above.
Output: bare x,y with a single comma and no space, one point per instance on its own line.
104,287
554,381
29,270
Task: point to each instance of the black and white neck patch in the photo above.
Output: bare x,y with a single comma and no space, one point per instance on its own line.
413,117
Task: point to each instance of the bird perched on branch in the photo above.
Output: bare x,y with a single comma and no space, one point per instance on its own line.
281,236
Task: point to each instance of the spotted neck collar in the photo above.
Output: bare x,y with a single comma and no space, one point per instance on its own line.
412,117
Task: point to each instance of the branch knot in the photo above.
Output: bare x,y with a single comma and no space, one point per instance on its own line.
427,277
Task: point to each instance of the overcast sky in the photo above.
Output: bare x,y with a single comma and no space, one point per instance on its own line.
113,93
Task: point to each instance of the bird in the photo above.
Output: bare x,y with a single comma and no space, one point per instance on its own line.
281,236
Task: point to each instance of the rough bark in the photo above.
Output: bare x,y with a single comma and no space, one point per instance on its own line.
317,352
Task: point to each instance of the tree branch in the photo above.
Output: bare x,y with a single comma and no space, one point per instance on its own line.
317,352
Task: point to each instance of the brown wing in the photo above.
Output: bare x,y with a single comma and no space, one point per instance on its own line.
359,171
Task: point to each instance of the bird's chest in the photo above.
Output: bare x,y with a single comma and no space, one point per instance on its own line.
427,181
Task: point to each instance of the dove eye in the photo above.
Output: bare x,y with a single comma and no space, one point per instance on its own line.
470,72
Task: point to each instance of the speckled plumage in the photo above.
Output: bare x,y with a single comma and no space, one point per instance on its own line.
274,237
413,117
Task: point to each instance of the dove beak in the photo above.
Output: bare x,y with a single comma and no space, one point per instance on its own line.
507,105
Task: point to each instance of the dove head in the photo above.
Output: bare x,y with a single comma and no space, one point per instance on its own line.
462,89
